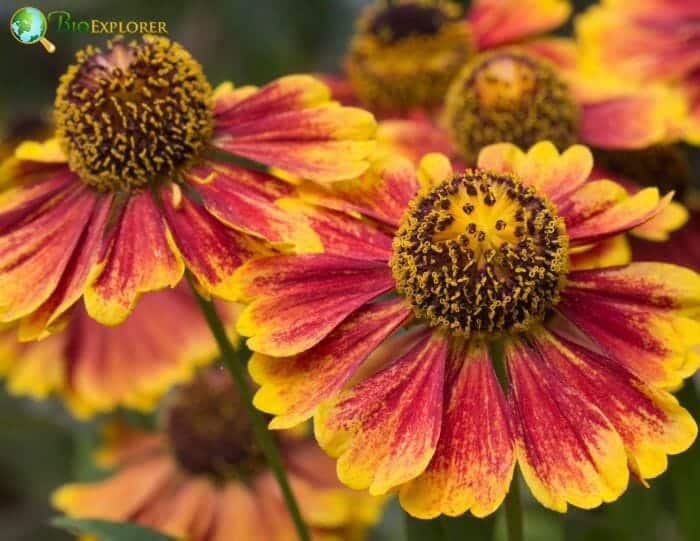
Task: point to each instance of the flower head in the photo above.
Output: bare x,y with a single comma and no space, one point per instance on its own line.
404,54
137,186
388,338
509,96
201,476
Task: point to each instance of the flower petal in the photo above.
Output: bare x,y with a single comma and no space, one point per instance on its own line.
136,257
34,256
414,138
568,452
606,253
433,168
339,233
299,300
72,284
650,422
628,121
382,193
23,202
380,437
211,251
557,175
660,227
289,124
245,199
181,511
475,458
601,209
641,315
136,362
240,517
289,93
496,22
292,387
117,497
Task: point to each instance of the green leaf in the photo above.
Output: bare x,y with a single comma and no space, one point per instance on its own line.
445,528
109,531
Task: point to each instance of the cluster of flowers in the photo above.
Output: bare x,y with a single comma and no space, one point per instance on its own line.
448,285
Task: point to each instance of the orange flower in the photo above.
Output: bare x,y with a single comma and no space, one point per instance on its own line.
96,368
404,54
136,187
202,477
389,337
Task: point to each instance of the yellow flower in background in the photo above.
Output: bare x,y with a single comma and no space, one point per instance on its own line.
385,338
95,368
202,477
405,53
136,186
647,41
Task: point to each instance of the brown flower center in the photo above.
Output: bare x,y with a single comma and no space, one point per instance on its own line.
208,429
134,113
507,96
405,54
481,253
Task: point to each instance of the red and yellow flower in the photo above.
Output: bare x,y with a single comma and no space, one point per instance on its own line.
138,185
201,477
95,368
649,42
404,54
390,337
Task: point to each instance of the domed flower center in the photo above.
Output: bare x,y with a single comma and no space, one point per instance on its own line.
406,53
399,21
134,113
508,96
208,430
481,253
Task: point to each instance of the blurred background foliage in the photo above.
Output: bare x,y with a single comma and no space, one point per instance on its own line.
251,42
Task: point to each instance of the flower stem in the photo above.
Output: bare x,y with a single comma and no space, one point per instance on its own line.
514,511
512,506
267,443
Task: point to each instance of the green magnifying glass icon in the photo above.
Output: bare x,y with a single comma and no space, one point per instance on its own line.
28,26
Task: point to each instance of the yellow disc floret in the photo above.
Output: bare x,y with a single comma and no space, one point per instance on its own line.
208,430
481,253
405,54
134,113
509,97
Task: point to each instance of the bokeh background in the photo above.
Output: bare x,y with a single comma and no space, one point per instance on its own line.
251,42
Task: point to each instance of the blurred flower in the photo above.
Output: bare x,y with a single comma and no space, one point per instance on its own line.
385,337
405,53
96,368
647,41
137,186
203,477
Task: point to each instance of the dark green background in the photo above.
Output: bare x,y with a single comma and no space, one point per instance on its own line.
253,42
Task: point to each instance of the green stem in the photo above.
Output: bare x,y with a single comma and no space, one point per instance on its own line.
514,511
265,440
512,506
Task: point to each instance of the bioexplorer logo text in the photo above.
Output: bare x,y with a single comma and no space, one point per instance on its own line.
29,25
63,21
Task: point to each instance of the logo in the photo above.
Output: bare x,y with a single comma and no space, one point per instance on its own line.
28,25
